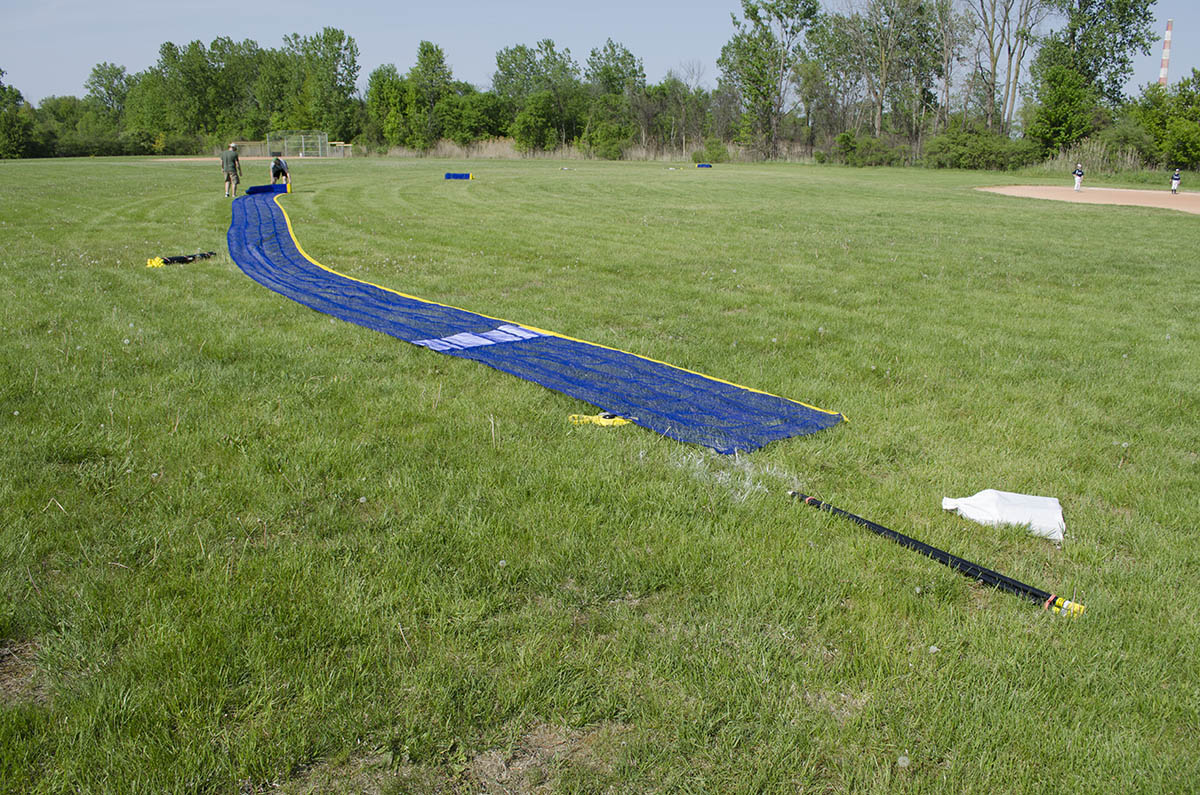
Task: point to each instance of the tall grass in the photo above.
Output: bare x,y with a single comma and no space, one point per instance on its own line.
505,149
490,149
247,547
1098,157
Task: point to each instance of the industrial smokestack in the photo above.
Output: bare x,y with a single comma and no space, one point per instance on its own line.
1162,74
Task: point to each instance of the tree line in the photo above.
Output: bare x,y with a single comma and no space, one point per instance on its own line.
948,83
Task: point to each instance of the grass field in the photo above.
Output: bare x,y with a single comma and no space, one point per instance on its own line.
245,547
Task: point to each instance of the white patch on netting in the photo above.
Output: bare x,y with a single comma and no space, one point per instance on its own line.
466,339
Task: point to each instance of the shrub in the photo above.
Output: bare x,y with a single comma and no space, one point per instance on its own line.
1181,148
533,128
844,146
877,152
1130,134
714,151
137,142
867,151
978,149
179,144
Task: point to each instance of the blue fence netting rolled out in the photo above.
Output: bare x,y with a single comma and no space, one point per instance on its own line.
678,403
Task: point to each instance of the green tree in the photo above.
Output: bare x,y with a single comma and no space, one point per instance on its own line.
1167,114
428,82
614,70
609,128
16,122
468,115
328,63
1181,146
830,80
919,64
517,76
1005,30
276,83
550,79
186,83
654,112
672,114
534,127
109,85
207,91
95,133
147,109
890,42
1102,37
614,76
1127,135
757,63
233,77
1152,111
1066,110
56,117
385,103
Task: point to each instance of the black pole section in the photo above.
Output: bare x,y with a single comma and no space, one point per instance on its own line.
966,567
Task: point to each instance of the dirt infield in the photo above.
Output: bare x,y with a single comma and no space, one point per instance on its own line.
1184,202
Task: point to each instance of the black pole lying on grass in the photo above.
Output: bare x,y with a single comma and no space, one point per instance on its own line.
995,579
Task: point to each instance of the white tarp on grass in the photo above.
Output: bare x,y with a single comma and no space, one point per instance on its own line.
1043,515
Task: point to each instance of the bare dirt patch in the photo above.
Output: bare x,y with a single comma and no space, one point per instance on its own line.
1164,199
370,775
19,679
529,767
842,706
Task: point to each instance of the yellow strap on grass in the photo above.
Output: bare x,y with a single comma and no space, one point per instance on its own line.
606,420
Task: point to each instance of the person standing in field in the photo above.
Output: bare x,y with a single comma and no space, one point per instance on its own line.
1078,174
232,168
279,169
1175,182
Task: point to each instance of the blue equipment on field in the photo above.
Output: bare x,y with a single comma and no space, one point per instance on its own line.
678,403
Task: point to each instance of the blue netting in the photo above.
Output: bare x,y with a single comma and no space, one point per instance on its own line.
677,403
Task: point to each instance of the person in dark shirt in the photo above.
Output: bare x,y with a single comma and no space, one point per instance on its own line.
1175,182
1078,174
232,168
279,169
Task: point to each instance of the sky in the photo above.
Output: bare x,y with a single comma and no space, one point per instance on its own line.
48,47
